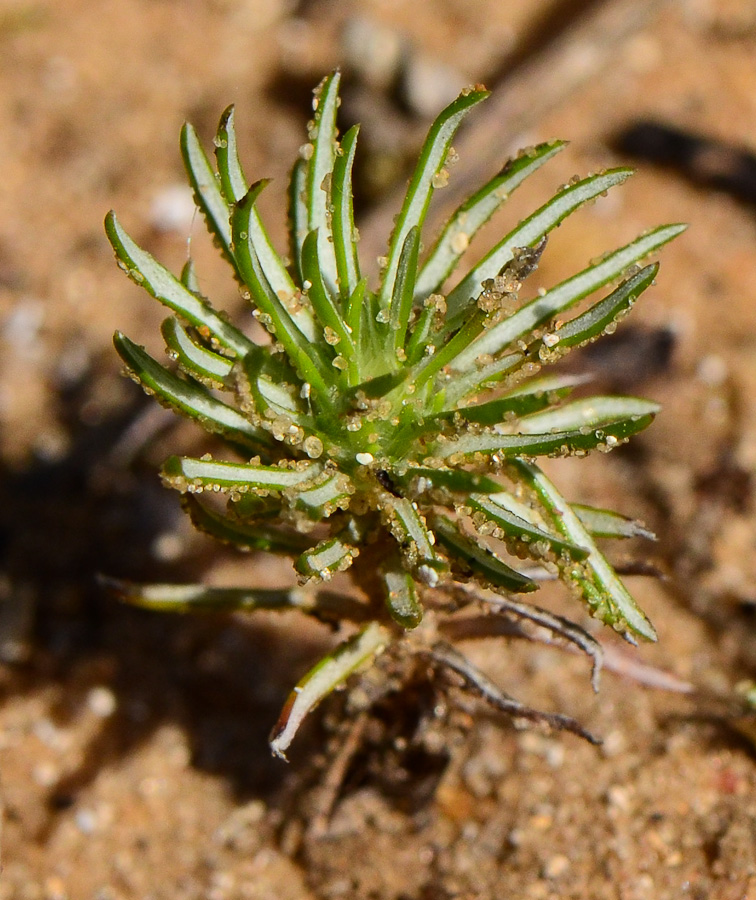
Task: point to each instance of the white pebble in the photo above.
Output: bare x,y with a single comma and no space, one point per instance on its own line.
172,209
102,701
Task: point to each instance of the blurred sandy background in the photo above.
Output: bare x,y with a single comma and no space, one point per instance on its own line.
133,757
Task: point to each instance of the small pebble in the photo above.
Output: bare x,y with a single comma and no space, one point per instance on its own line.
173,209
102,701
86,821
429,84
168,546
45,774
556,866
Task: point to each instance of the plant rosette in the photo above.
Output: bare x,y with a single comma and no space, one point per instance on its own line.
394,432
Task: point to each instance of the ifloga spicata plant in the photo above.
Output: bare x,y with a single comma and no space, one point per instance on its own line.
393,432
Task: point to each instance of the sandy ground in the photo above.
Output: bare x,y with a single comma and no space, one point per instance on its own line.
133,754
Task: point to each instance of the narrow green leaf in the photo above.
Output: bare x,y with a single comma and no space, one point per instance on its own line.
319,294
403,520
529,398
418,480
188,398
207,192
334,554
605,595
298,229
307,357
165,287
189,277
422,334
186,474
527,234
322,500
592,323
481,559
509,526
324,605
417,199
481,377
325,677
250,508
375,362
242,535
605,523
558,443
401,301
401,598
447,355
233,184
270,384
467,220
215,197
569,292
319,176
342,224
210,368
185,598
355,316
588,412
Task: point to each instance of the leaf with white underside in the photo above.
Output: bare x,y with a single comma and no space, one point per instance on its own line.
243,535
588,412
325,498
195,475
207,191
481,559
298,229
195,598
411,532
308,358
189,398
332,671
234,187
319,175
233,184
199,362
605,523
467,220
605,595
566,294
331,555
401,598
527,234
533,396
557,443
342,222
165,287
593,323
494,510
431,161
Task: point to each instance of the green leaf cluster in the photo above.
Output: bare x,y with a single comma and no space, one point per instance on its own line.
391,429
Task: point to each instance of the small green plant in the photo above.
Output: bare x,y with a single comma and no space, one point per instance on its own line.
393,432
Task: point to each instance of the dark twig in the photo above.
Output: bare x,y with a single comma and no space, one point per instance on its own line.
445,655
336,775
553,623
